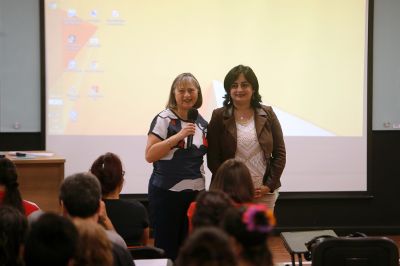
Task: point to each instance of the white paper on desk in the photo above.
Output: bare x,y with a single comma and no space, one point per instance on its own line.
32,154
41,154
152,262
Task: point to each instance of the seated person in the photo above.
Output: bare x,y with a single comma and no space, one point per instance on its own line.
94,247
80,198
9,192
208,209
207,246
249,226
52,240
129,217
13,232
234,178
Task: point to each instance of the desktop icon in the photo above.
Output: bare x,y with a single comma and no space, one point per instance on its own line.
73,93
93,13
71,38
72,64
53,5
71,13
115,14
73,116
93,65
94,41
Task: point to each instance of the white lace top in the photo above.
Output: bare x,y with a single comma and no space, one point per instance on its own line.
248,150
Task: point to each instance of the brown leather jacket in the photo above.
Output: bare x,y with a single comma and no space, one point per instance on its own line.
221,136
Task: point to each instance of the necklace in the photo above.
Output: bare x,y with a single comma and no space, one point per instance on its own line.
244,120
244,115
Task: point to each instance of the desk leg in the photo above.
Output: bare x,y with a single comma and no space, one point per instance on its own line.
300,261
293,259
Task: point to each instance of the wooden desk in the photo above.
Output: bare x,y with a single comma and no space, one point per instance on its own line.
39,180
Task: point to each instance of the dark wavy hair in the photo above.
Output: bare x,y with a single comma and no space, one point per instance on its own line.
9,179
184,77
207,246
234,178
251,226
52,240
108,169
210,208
250,76
14,230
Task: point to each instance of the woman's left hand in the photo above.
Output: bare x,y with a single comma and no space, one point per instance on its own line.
261,191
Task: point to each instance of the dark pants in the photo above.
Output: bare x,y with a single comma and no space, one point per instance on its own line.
168,216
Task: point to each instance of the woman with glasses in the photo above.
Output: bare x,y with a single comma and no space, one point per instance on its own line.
176,145
250,132
129,217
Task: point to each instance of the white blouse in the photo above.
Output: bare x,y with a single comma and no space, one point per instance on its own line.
248,150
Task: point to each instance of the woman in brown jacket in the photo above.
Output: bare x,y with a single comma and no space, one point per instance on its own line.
250,132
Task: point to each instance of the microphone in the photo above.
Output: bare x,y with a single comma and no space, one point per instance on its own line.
192,117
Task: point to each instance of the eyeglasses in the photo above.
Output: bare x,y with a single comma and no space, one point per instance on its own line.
123,172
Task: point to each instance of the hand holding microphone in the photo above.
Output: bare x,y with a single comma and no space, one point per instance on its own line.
192,117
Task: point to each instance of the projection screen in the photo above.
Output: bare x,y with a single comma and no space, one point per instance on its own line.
110,65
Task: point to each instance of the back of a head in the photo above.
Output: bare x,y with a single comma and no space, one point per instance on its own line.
207,246
9,179
108,169
8,172
52,240
233,177
13,232
80,195
210,208
250,226
94,247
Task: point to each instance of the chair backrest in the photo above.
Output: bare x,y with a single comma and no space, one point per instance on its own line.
356,251
146,252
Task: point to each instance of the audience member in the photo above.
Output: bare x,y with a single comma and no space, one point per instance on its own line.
94,247
51,241
129,217
208,209
250,226
9,192
80,197
233,177
13,232
207,246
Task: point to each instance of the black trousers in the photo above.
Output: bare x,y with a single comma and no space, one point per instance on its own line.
168,216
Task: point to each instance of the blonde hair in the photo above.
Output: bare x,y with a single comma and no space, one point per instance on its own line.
184,77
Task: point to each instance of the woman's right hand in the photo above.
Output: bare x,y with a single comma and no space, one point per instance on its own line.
187,130
156,148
